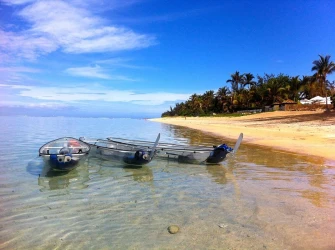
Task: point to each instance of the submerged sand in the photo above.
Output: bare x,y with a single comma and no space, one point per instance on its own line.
303,132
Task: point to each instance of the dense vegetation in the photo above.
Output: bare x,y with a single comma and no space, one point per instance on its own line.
250,92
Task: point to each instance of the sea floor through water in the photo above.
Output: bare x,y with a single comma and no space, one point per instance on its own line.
258,199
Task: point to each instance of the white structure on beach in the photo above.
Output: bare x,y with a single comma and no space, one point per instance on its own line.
316,100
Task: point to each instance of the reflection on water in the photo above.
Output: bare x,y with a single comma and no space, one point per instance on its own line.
50,179
258,199
218,173
143,174
193,137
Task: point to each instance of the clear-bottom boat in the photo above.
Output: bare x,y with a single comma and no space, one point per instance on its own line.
128,154
180,153
64,153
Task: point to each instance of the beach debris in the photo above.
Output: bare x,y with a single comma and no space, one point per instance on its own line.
173,229
222,225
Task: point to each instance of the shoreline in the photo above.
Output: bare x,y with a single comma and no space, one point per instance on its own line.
303,132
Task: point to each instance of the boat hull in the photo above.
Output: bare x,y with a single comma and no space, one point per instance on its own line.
210,156
180,153
125,154
64,153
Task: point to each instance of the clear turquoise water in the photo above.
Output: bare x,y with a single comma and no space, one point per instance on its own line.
258,199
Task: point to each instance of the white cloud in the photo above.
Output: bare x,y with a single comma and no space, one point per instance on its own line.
118,62
13,86
60,25
92,4
19,69
110,39
17,2
48,105
90,93
16,74
24,45
95,72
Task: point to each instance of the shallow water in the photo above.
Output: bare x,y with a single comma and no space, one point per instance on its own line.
258,199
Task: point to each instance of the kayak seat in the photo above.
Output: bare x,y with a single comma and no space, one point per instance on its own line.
64,151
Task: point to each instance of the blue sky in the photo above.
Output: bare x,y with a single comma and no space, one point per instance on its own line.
136,58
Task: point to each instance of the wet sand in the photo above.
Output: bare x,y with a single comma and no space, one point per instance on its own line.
303,132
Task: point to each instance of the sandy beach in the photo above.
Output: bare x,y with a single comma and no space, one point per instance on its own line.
303,132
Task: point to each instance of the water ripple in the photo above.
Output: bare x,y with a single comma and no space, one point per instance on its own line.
258,199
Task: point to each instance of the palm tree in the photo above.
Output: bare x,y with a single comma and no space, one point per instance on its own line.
180,109
295,86
306,83
208,101
331,86
195,104
235,80
248,80
222,93
260,81
323,67
276,88
222,98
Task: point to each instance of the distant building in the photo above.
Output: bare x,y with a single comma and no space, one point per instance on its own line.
320,100
284,105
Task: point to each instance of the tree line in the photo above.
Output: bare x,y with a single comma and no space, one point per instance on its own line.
250,92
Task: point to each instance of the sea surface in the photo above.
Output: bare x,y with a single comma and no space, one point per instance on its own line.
259,198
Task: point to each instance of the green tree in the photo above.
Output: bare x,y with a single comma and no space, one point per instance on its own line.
208,101
248,80
222,99
180,109
276,89
323,67
306,90
295,86
331,86
195,105
235,80
260,81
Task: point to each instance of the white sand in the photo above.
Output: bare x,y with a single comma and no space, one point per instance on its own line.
302,132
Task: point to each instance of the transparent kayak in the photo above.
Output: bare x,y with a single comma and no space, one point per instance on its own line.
180,153
64,153
129,154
